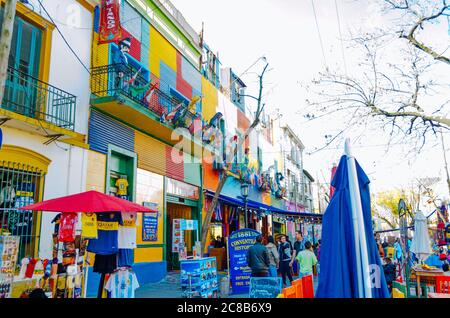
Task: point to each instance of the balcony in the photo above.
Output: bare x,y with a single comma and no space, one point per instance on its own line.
131,99
30,103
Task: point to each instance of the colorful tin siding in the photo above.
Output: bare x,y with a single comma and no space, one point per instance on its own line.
104,130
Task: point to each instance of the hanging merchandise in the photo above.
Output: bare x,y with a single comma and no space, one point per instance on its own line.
105,264
9,250
67,227
127,231
122,284
107,228
89,225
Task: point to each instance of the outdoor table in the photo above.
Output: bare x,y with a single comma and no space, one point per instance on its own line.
427,274
438,295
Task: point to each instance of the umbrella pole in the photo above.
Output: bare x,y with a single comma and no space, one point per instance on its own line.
362,257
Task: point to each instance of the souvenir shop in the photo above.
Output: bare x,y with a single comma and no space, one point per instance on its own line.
309,224
103,240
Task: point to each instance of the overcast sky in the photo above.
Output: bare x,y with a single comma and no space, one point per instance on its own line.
285,32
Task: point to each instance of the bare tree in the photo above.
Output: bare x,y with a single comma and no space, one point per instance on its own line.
225,173
402,93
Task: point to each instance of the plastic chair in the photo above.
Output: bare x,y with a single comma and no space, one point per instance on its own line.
443,284
299,288
308,286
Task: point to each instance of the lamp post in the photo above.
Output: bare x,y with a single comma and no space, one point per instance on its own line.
244,193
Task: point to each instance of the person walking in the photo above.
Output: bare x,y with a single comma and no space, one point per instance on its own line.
285,251
389,272
306,260
258,259
299,246
274,257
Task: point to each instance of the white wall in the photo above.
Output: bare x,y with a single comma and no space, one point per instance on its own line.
66,173
66,72
67,170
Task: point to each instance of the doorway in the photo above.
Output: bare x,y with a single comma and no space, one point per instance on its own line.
179,211
21,87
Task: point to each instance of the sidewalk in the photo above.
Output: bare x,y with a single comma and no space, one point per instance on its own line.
170,288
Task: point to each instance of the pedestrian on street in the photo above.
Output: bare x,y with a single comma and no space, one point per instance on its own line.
306,260
285,251
389,272
299,246
274,257
258,259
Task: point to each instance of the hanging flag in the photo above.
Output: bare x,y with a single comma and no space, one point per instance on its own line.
148,95
1,138
110,28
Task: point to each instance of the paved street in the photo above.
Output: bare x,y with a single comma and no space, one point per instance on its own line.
170,288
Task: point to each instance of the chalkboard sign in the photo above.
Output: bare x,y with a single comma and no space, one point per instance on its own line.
150,223
238,244
265,287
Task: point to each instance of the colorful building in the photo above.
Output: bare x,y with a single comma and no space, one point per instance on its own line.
43,118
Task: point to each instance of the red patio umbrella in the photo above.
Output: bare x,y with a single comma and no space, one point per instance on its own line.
90,201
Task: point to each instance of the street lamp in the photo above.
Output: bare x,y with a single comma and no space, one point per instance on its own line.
244,193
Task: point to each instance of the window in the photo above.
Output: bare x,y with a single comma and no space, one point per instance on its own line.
19,187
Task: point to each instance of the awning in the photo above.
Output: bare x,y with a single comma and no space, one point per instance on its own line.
239,201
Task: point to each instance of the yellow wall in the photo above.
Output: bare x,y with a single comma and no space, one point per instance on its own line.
161,49
100,52
96,171
210,99
148,254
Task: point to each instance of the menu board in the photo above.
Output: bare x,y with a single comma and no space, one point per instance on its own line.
177,235
199,278
238,244
150,223
9,250
265,287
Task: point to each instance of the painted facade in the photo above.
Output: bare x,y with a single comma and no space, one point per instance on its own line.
44,117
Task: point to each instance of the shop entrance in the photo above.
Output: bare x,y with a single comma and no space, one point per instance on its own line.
179,211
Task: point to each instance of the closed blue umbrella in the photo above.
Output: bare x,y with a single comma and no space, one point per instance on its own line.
342,264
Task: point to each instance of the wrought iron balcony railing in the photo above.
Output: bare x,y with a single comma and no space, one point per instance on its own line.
29,96
117,79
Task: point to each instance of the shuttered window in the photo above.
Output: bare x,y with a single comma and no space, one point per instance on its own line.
104,130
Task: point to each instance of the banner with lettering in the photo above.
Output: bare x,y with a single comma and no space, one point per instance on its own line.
238,244
150,223
110,28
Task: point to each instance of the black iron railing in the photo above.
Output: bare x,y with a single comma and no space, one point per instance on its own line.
117,79
29,96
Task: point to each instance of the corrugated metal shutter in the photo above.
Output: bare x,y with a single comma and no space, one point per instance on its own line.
104,130
151,154
192,170
174,169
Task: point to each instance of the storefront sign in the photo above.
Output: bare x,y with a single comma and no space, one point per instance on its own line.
150,223
177,235
238,244
181,189
110,28
189,225
265,287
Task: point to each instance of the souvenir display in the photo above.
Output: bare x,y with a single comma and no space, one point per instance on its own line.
9,249
199,278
